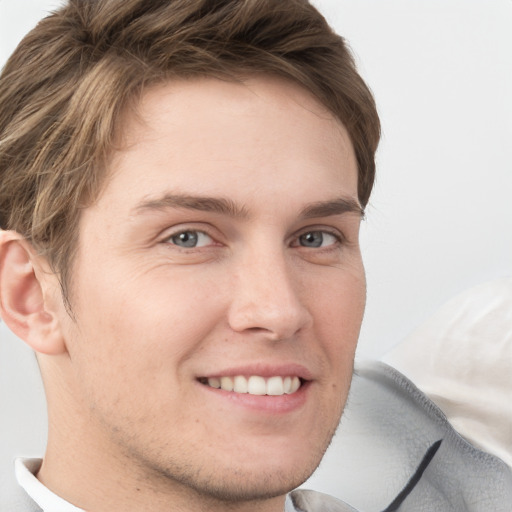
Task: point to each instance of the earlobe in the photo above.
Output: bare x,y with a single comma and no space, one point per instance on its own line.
23,301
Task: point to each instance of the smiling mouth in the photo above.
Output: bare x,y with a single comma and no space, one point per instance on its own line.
255,385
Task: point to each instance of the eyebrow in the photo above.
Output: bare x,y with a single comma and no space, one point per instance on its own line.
205,204
228,207
337,206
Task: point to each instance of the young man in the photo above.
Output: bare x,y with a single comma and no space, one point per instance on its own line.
181,188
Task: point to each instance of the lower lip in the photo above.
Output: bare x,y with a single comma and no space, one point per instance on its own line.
281,404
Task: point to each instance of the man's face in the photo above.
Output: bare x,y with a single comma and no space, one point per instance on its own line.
223,251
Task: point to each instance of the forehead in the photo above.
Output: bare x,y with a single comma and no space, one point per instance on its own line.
203,133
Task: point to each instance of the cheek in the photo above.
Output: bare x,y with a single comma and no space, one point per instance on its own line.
340,302
136,324
339,314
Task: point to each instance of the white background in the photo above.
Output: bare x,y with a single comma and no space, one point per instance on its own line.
440,219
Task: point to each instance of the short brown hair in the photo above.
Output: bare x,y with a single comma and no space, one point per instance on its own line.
64,88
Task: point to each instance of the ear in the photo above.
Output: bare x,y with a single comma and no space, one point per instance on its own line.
27,295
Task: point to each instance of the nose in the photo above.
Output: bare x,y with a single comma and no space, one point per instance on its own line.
266,298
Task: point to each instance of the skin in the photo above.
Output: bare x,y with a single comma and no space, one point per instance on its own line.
131,425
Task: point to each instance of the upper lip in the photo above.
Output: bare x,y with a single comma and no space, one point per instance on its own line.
263,370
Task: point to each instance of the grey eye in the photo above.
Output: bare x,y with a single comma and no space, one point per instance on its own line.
316,239
190,239
186,239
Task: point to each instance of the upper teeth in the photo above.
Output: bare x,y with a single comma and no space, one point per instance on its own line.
256,385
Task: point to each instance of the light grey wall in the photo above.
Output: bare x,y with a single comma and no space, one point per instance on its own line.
440,220
441,217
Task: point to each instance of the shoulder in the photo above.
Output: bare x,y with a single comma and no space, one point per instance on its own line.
396,442
14,499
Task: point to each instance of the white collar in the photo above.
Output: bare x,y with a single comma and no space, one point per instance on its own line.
25,470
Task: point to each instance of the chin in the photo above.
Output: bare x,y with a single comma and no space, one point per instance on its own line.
247,476
240,485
